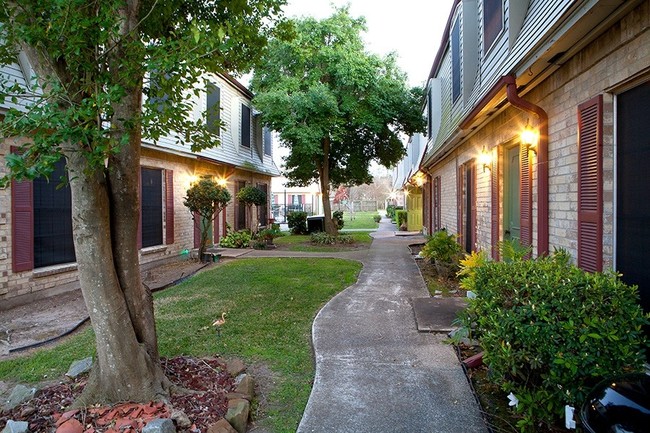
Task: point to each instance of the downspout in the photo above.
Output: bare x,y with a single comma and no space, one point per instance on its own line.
542,160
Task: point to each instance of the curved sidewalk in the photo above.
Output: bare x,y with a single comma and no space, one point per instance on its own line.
374,371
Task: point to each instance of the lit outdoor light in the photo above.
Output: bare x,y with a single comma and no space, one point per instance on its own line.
530,137
485,159
222,182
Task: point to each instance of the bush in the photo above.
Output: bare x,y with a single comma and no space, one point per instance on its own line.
551,331
391,209
402,217
297,222
337,218
443,251
376,218
320,238
241,239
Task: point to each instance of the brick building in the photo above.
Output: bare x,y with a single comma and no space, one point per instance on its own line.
575,74
36,253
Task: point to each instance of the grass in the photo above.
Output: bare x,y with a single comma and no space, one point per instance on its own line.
303,243
271,304
362,220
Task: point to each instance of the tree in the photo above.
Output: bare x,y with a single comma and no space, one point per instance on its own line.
92,62
249,195
206,199
335,106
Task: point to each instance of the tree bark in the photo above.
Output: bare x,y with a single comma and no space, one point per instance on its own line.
324,174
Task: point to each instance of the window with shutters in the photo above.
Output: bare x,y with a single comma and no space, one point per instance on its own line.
52,209
151,207
245,126
467,205
492,22
213,106
590,185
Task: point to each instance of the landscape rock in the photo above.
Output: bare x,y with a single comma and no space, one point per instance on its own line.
70,426
19,395
237,416
159,425
181,420
236,367
221,426
16,427
27,411
80,367
244,384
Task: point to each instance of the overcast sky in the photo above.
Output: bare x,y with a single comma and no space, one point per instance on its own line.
411,28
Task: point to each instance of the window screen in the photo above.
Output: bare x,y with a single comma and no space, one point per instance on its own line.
455,60
152,208
492,21
53,220
245,126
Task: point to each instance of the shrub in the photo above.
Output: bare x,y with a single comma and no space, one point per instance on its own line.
551,331
240,239
390,211
402,217
320,238
443,251
337,218
297,222
376,218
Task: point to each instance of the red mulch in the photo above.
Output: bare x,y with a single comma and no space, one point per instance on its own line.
207,378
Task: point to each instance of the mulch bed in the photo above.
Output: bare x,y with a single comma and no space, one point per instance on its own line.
206,379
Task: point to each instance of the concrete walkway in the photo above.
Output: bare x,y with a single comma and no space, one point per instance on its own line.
374,371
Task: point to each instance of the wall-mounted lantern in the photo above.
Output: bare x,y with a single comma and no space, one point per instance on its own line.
530,137
485,159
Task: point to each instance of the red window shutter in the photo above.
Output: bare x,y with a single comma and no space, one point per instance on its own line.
169,207
590,185
495,203
526,197
215,228
437,224
197,230
22,226
474,224
459,199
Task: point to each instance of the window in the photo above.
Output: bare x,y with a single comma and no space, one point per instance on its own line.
455,59
52,219
492,22
151,207
156,98
268,143
245,126
213,108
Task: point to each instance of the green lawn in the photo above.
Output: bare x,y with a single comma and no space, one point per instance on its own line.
271,304
362,220
303,243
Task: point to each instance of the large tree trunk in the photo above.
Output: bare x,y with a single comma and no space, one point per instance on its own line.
125,369
324,174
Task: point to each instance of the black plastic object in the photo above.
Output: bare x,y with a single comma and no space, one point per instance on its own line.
618,405
315,224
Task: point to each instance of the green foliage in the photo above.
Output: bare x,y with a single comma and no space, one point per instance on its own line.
444,251
206,198
251,195
402,217
468,266
320,238
297,222
514,251
240,239
390,211
322,89
376,218
270,233
337,217
550,331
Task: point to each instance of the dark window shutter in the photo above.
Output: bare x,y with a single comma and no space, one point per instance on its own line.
590,185
140,213
245,126
494,174
197,230
526,197
22,225
215,228
169,207
213,104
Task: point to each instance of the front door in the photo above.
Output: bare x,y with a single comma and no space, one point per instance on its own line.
632,192
512,200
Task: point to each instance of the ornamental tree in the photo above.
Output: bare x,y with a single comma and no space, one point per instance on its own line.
92,62
249,195
336,107
206,199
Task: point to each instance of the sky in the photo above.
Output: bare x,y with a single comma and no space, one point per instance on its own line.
411,28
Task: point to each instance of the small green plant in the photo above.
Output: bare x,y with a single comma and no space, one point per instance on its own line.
390,211
551,331
251,196
297,222
205,199
321,238
512,250
337,219
444,252
468,267
240,239
376,218
402,218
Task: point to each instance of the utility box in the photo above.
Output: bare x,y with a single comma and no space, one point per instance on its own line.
316,223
